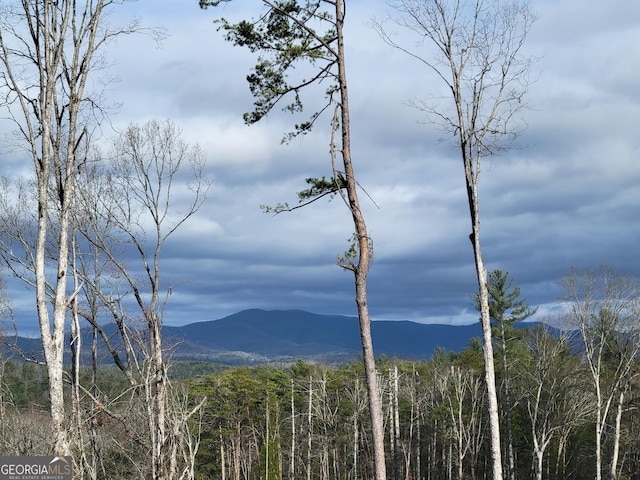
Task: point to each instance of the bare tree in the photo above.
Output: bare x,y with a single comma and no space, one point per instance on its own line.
151,164
356,394
48,50
124,211
463,397
553,390
605,306
478,56
287,36
123,208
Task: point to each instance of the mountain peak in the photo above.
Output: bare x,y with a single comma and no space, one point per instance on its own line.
298,333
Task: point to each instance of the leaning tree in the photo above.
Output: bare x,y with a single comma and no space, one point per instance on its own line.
288,36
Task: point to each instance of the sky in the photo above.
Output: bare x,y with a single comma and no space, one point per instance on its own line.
568,196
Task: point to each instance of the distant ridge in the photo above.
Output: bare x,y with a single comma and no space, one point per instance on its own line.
259,336
281,334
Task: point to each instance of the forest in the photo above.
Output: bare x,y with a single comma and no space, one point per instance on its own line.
93,217
308,421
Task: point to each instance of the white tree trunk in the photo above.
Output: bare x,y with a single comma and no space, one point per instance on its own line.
59,40
396,425
487,343
309,428
616,437
292,459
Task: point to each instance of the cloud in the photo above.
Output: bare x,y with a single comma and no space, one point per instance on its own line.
567,197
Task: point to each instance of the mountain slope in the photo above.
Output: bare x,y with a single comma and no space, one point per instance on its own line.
255,336
295,333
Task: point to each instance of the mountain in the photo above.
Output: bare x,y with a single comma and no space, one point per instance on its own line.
259,335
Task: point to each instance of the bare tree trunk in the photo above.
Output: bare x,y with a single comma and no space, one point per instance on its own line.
392,434
145,171
616,437
292,459
457,412
396,424
355,445
561,464
538,456
476,55
604,306
309,428
418,416
158,400
223,460
266,442
487,343
449,461
46,78
361,269
87,467
511,463
599,430
59,42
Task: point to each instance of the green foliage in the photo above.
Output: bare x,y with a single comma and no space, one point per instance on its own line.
235,417
25,384
506,306
442,357
505,303
286,40
471,357
349,259
274,454
301,370
319,188
235,413
188,369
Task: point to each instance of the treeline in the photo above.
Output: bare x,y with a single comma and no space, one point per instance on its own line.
110,420
309,421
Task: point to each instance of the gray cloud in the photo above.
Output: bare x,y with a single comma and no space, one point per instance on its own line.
568,197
